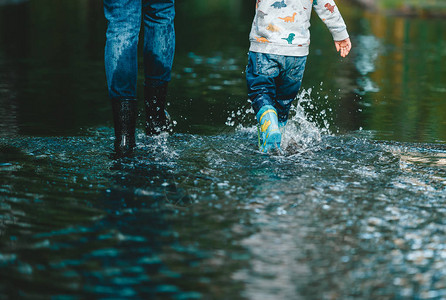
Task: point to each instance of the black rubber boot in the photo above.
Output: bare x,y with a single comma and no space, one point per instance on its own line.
157,118
124,117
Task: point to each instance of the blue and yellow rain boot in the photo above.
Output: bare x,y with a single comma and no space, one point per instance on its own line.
268,129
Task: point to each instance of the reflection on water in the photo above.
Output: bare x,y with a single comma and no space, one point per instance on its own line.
409,105
368,49
353,208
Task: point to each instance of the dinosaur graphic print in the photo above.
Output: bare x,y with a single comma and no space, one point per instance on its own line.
273,28
330,7
281,27
262,40
290,38
289,19
279,4
261,14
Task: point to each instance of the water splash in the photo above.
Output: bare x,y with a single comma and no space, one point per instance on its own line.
304,130
306,125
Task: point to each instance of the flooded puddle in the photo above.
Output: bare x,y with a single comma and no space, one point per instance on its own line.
194,216
354,207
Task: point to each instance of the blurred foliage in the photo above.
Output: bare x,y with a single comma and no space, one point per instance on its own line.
408,7
426,4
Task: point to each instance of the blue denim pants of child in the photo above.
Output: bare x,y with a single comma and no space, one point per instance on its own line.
124,18
274,80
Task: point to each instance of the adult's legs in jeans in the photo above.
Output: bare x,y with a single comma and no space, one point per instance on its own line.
124,21
159,48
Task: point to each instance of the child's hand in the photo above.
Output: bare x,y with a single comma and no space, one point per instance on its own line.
343,46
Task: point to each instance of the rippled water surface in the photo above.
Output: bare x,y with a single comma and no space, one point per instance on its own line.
354,207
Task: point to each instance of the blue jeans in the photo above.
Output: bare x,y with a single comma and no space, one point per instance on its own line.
121,49
274,80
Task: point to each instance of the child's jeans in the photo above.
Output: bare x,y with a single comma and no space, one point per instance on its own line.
274,80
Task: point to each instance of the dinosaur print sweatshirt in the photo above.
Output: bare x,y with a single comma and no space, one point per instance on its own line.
282,26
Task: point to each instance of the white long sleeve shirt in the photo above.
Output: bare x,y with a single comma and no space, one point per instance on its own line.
282,26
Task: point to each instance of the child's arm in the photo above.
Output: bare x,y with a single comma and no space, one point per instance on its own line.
329,13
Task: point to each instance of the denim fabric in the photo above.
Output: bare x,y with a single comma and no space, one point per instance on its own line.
274,80
121,50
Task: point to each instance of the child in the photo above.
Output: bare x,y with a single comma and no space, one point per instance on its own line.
280,40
